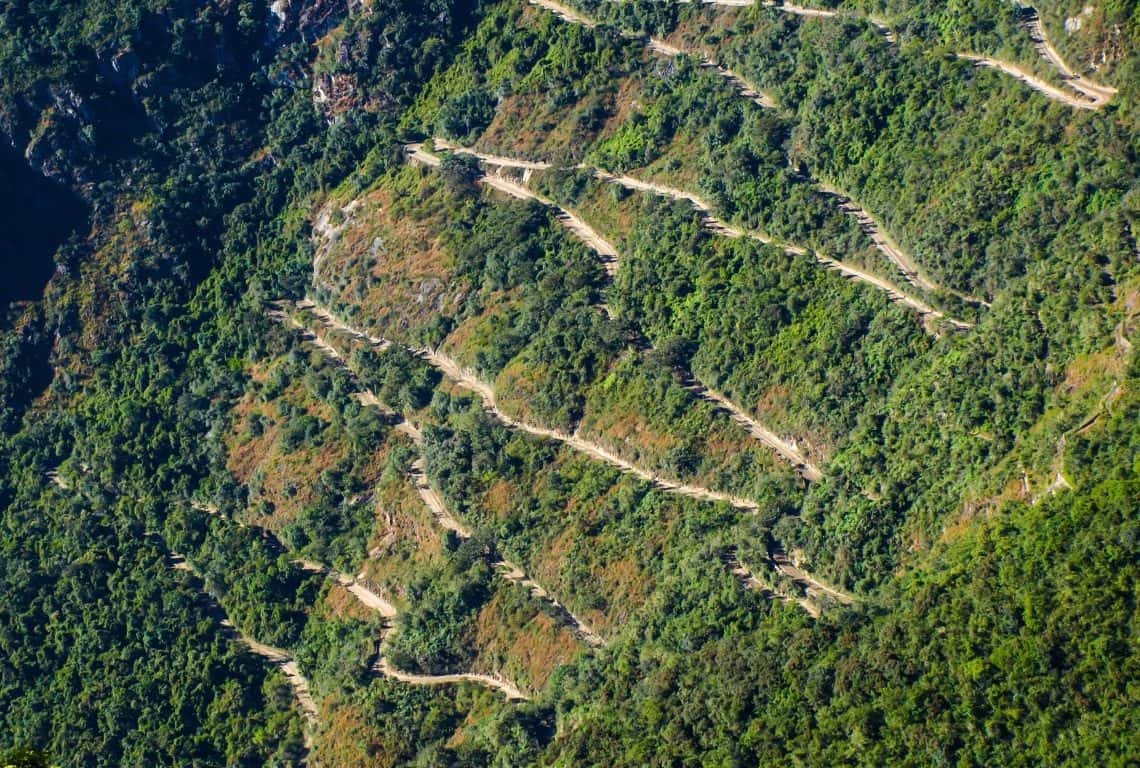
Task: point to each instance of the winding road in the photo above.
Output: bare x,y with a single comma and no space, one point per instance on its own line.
280,658
468,380
384,667
507,569
886,245
1088,94
579,228
750,581
894,292
371,600
784,565
720,227
783,448
1099,94
882,241
1034,82
367,597
742,86
787,450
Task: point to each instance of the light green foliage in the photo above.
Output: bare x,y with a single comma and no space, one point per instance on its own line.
995,615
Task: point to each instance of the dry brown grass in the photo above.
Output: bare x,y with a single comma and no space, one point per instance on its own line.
339,603
345,739
497,499
528,651
405,539
391,260
288,478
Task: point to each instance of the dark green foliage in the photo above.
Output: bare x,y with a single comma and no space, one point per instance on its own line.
989,630
466,115
460,172
435,636
109,658
995,633
23,757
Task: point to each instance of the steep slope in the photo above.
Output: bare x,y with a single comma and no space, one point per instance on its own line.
727,382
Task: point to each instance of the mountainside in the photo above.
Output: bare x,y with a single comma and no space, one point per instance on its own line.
602,383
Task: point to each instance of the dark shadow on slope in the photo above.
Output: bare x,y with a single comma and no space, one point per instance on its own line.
36,216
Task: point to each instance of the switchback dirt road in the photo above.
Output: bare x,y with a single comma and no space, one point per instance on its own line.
510,571
280,658
742,86
711,222
718,226
789,451
450,368
468,380
1034,82
579,228
751,582
384,667
1098,94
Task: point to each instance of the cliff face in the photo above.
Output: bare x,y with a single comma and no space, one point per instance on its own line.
130,84
36,217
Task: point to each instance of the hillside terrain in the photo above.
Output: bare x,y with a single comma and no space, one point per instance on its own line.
580,383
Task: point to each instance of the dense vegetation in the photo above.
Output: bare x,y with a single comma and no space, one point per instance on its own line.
208,160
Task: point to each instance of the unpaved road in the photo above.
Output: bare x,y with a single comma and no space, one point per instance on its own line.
434,502
798,10
886,245
417,153
513,573
1099,94
468,380
1032,81
505,162
626,181
784,565
717,226
743,87
362,593
565,13
870,225
579,228
720,227
766,436
447,521
450,368
368,398
282,659
331,320
384,667
371,600
894,293
491,159
750,581
506,569
738,82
